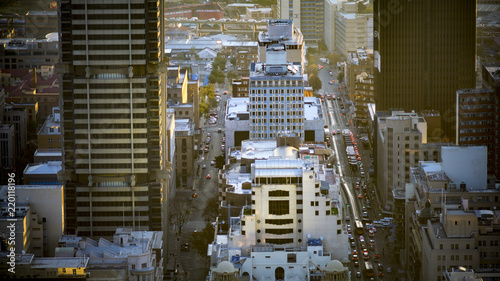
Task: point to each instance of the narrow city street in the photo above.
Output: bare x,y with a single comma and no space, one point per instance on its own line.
193,266
355,206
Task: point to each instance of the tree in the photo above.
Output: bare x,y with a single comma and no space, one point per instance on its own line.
211,210
311,59
231,75
219,62
361,7
216,76
322,46
315,82
220,161
201,239
340,76
312,69
334,58
233,60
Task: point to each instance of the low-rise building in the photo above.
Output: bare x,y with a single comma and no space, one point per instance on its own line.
131,255
31,267
42,173
358,61
240,87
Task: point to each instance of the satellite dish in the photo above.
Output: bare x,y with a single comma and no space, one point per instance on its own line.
308,235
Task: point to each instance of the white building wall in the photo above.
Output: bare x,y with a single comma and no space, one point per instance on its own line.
474,174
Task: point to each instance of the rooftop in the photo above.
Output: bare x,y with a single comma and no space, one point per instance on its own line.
237,106
183,125
49,168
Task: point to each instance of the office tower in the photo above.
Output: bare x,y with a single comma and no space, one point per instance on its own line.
113,102
308,16
424,53
276,97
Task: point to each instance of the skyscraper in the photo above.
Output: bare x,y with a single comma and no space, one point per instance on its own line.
113,102
424,53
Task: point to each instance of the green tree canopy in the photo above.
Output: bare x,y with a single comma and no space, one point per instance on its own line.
216,76
312,69
219,62
232,75
340,76
315,82
201,239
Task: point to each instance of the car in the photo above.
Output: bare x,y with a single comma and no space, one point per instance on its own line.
376,257
208,176
355,257
364,209
360,196
358,274
353,244
354,252
356,264
208,140
219,130
185,247
348,227
351,238
333,133
372,242
212,163
380,274
347,218
380,266
325,126
338,131
366,255
205,150
362,239
194,195
368,206
372,247
371,234
225,92
331,73
204,166
222,146
365,214
331,83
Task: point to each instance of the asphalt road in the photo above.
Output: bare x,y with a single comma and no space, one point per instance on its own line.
349,177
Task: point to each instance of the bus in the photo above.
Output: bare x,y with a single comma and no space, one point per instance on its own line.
359,227
369,269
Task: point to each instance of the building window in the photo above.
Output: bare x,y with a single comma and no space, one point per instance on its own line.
279,207
317,212
50,140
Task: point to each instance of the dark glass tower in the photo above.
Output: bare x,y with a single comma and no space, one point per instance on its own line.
424,53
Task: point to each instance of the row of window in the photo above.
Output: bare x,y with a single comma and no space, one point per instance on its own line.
276,83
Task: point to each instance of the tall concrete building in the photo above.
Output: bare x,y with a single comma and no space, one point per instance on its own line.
307,15
401,142
276,97
113,111
424,53
352,29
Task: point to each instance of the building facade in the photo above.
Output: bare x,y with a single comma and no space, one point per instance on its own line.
424,52
352,29
113,105
308,16
276,97
49,135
